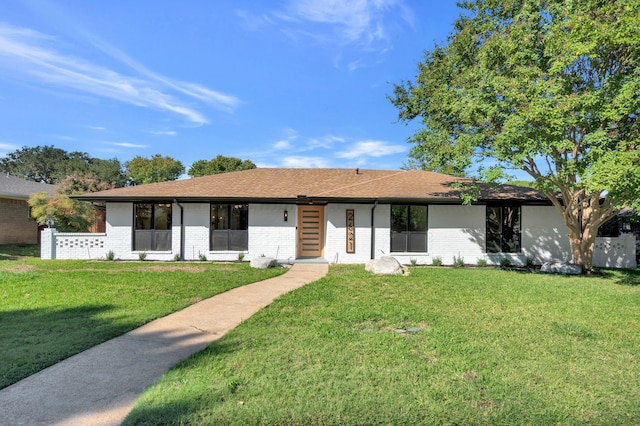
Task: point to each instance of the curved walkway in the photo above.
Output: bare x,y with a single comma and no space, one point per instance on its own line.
99,386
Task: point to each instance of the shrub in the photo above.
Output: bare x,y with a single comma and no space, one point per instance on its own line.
110,255
458,261
202,257
413,262
177,258
240,257
437,261
529,262
142,256
482,262
505,262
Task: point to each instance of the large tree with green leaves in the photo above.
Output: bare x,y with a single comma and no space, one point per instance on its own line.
52,165
551,88
155,169
220,164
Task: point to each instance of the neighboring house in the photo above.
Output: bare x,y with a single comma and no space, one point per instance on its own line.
340,215
16,224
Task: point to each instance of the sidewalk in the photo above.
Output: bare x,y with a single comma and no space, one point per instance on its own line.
99,386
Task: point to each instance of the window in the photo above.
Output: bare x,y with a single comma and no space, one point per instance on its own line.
229,227
503,229
408,229
152,227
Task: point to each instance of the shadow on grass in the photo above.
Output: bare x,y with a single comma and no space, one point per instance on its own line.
19,251
104,378
174,409
33,339
630,277
173,413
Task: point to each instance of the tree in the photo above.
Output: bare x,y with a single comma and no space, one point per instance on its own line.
69,215
220,164
109,171
550,88
52,165
154,169
39,164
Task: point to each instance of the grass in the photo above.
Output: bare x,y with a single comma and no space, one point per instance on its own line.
50,310
17,251
441,346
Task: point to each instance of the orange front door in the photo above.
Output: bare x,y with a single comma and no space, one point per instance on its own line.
310,231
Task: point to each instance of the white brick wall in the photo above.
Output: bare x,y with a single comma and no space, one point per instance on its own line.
454,230
615,252
269,234
119,227
544,234
383,230
335,249
47,244
197,221
55,245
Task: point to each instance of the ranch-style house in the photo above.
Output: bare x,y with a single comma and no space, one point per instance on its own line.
335,215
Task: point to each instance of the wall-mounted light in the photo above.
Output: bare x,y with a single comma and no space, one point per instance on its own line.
49,221
286,215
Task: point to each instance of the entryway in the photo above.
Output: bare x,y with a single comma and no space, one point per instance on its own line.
310,231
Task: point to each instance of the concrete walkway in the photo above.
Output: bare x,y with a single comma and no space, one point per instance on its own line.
99,386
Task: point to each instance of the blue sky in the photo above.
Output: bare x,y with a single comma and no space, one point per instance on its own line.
287,83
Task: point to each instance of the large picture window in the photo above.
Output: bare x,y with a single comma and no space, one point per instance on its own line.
503,229
152,227
229,227
408,228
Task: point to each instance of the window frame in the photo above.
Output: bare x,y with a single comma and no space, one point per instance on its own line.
504,240
234,236
152,238
409,237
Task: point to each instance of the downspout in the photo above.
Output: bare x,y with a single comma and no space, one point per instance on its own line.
181,228
373,231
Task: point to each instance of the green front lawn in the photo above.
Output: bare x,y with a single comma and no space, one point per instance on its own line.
50,310
441,346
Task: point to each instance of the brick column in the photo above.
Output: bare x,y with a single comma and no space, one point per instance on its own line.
48,243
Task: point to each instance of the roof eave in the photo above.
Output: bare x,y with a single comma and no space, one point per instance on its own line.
308,200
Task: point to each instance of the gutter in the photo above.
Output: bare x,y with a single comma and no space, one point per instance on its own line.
182,243
373,231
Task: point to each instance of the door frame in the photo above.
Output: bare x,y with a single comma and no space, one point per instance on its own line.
300,234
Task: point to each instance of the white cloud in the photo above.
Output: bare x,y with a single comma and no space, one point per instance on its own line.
282,145
164,133
5,148
327,141
361,22
31,54
362,26
128,145
304,162
254,22
371,149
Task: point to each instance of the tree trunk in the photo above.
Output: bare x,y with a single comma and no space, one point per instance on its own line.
583,214
582,247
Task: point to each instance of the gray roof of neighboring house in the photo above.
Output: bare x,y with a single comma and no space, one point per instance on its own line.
16,188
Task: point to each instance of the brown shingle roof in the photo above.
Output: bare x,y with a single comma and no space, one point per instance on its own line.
322,184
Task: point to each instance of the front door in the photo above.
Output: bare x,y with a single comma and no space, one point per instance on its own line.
310,231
